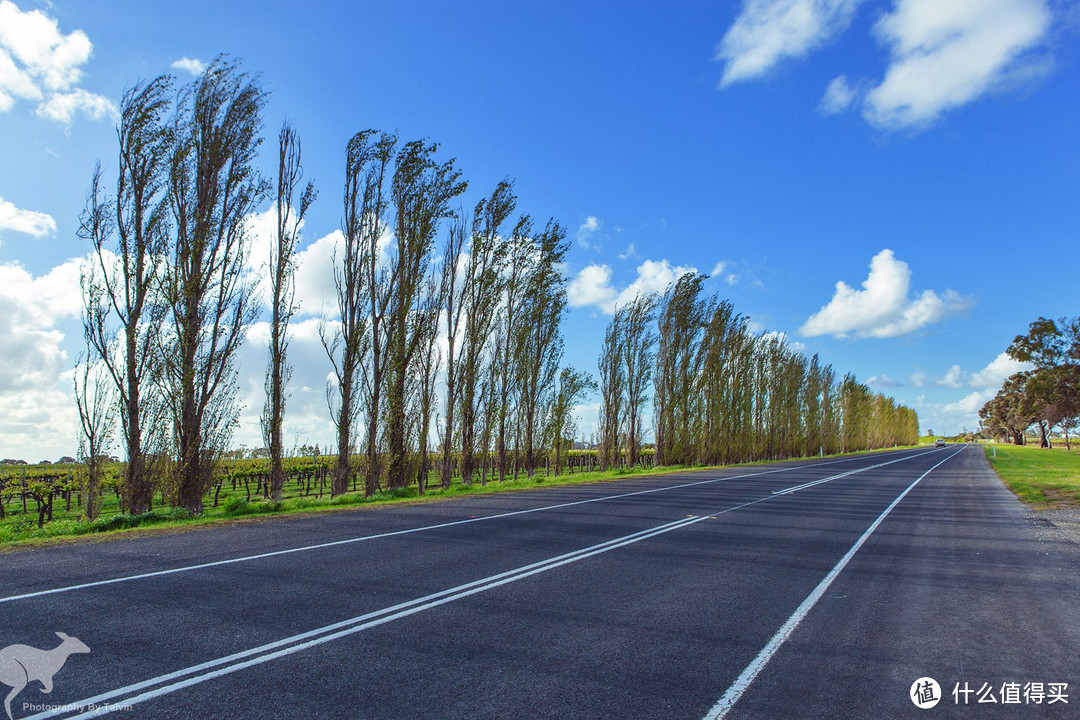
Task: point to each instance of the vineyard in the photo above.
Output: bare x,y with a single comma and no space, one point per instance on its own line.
51,496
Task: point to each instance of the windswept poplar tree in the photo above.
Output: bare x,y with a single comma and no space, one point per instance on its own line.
681,316
429,358
122,309
452,293
362,294
518,260
282,292
94,398
481,299
638,355
612,390
213,187
422,189
572,386
539,343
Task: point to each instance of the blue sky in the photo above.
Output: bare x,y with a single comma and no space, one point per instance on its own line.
924,154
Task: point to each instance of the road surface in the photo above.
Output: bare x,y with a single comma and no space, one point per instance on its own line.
816,589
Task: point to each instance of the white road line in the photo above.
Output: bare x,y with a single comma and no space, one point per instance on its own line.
796,488
725,703
364,538
104,703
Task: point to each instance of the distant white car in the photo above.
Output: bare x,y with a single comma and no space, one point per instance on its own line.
940,442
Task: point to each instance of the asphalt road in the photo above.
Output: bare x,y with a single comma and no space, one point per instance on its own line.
819,589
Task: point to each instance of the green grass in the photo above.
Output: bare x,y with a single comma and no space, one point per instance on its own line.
1045,478
21,530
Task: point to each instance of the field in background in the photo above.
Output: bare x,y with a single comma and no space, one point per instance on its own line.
1045,478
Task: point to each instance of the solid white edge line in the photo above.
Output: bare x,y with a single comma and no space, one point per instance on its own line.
363,538
725,703
287,646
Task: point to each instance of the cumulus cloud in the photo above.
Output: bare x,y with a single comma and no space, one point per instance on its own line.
946,54
315,293
35,380
64,107
883,308
34,223
883,381
997,371
954,378
990,377
968,406
767,32
838,96
592,285
191,65
40,64
586,230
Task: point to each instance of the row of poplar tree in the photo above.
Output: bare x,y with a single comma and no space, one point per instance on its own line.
723,393
473,338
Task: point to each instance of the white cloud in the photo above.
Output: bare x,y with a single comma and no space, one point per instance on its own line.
63,107
191,65
587,229
770,31
631,252
838,96
718,269
918,379
997,371
592,285
35,379
34,223
954,378
315,291
989,378
40,64
883,381
882,308
967,407
947,54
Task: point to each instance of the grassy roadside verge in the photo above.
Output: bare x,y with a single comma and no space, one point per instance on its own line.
1045,479
62,531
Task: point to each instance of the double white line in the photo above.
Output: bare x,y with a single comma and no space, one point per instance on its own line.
136,693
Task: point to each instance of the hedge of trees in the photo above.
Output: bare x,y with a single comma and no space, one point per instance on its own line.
723,394
447,323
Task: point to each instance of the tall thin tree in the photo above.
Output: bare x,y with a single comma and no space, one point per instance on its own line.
282,268
122,311
213,187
